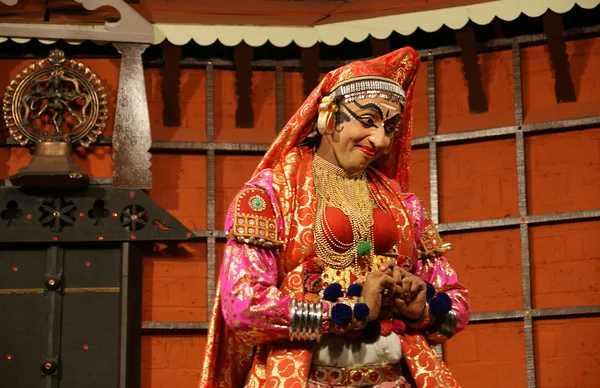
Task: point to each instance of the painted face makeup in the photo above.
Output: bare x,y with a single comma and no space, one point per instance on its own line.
364,132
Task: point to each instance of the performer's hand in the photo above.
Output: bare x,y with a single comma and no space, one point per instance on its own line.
410,291
376,284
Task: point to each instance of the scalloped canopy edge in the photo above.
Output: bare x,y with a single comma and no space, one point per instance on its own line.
355,30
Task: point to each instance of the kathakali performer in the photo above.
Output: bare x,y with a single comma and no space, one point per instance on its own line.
334,274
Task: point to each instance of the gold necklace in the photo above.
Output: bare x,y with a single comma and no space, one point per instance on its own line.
349,192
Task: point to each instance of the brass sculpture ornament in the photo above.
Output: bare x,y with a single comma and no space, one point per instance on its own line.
52,104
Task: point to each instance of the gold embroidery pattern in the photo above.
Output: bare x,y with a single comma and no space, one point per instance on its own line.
345,276
253,223
258,373
288,365
226,359
293,182
432,243
425,365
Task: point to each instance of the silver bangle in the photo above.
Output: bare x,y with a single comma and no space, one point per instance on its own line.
448,326
312,311
308,332
293,318
446,329
319,312
306,321
305,328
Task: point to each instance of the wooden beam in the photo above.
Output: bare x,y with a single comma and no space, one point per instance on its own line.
498,28
170,84
465,38
379,46
244,115
559,59
310,68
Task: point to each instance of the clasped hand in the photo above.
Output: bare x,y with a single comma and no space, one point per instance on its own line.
394,284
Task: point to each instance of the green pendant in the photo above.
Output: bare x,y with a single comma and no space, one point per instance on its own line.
363,248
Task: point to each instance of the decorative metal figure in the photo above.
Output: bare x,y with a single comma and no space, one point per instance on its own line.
54,103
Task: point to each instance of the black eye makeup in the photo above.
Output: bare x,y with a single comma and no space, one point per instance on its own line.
373,114
366,119
391,124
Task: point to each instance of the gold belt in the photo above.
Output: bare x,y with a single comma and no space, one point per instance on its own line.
355,376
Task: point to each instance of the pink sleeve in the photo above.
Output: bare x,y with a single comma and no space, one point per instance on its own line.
437,271
253,307
434,268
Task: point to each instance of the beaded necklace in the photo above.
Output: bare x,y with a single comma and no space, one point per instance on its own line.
349,192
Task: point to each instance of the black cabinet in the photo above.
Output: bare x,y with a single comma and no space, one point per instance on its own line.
70,285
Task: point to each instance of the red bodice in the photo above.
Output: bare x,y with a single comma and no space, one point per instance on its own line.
385,232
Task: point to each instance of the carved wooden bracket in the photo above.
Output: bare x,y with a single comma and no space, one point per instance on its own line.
465,38
170,84
559,59
131,28
310,68
379,46
244,115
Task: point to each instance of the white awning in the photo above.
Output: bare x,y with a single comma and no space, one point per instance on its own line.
355,30
359,30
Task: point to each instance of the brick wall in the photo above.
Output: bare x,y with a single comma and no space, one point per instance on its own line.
476,181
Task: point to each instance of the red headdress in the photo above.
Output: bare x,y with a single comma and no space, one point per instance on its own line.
400,67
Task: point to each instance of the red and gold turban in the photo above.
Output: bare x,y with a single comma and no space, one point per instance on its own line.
400,67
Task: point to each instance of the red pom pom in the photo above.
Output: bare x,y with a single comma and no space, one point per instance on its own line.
398,326
386,327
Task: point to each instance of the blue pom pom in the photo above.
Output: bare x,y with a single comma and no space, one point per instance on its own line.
354,290
445,297
440,305
372,331
361,311
341,314
430,291
333,292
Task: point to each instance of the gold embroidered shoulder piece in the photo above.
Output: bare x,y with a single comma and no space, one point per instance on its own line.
254,219
431,242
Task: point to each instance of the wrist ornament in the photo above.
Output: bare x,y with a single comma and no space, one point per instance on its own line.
424,320
306,320
348,313
444,329
437,306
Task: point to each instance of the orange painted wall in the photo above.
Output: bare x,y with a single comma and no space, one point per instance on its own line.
476,181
